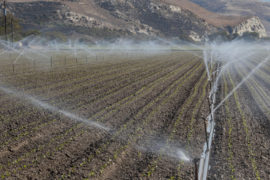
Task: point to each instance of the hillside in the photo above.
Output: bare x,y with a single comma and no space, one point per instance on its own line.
107,19
258,8
213,18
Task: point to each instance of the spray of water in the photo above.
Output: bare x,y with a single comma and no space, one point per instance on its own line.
242,82
227,55
51,108
163,148
206,60
156,148
231,54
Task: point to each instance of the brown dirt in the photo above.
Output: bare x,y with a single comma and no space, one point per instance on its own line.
147,101
241,145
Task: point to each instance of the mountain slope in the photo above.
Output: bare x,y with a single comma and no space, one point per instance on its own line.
122,18
258,8
211,17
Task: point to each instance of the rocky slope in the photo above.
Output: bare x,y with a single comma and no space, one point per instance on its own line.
260,8
252,24
125,18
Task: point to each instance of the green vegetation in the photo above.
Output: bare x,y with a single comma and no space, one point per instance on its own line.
18,32
226,36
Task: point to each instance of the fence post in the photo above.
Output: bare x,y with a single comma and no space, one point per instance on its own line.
51,61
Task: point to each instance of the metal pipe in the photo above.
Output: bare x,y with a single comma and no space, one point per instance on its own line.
5,19
206,134
196,160
12,32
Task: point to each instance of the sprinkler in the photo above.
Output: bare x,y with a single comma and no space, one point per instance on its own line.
196,172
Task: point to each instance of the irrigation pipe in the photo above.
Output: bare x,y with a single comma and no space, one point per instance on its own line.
204,161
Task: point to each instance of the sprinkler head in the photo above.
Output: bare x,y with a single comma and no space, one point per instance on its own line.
196,160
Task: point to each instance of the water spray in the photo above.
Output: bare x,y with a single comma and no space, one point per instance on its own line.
219,54
167,150
242,82
51,108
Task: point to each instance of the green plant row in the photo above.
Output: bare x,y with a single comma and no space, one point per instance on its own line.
62,78
140,130
9,171
99,149
244,121
74,83
34,123
258,91
152,166
125,102
230,127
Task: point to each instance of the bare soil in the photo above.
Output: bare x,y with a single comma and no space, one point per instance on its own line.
149,103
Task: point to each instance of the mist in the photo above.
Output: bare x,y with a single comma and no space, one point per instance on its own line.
218,56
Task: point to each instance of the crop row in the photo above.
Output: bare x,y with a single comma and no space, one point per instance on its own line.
258,91
138,131
146,91
258,94
18,161
145,124
28,67
230,130
47,122
54,75
244,122
104,146
152,166
76,82
17,108
111,87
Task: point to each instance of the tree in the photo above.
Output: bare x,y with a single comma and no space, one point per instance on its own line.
251,36
16,25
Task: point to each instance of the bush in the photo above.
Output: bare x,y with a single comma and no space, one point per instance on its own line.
16,25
